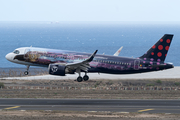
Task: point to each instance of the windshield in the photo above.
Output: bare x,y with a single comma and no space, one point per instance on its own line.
16,51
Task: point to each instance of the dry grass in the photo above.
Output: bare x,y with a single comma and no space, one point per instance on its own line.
80,115
19,72
90,94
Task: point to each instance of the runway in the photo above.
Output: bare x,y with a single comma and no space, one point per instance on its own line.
164,74
93,105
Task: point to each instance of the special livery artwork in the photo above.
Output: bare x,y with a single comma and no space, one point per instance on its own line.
61,62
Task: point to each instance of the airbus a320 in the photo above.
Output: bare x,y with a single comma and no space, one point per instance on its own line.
62,62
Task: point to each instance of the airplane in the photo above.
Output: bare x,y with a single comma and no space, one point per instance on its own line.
117,52
62,62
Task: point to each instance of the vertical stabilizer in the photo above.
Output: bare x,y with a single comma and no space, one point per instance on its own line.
158,52
117,52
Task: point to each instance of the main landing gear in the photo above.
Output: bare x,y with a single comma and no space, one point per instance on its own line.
85,78
27,70
80,79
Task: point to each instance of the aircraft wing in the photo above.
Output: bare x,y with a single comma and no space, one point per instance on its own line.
84,65
117,52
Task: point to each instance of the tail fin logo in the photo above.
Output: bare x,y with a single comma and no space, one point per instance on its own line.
160,47
158,52
167,48
168,40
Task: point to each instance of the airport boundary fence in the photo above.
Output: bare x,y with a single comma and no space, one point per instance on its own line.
86,88
19,72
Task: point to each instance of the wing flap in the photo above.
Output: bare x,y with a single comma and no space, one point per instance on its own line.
84,65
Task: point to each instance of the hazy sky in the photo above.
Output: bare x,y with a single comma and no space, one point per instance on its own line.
89,10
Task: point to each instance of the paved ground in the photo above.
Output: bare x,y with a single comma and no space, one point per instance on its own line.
144,106
165,74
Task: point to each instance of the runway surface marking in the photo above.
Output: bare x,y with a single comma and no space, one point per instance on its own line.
12,107
145,110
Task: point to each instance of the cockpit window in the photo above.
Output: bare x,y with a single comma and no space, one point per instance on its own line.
16,52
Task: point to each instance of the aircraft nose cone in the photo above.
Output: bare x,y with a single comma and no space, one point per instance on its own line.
9,57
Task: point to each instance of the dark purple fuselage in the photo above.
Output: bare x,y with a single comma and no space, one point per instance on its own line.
100,63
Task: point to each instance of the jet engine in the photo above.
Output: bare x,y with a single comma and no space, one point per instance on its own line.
59,69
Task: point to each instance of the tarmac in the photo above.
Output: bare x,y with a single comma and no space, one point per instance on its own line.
92,105
173,73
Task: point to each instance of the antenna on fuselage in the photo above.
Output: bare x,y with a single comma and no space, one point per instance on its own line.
31,46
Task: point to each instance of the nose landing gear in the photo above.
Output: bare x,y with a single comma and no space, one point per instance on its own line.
26,73
27,70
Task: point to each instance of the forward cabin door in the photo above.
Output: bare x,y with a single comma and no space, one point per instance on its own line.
136,64
26,53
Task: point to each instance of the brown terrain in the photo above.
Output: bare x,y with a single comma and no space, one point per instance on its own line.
92,89
73,115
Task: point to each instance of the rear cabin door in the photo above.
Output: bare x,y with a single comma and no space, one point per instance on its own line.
136,64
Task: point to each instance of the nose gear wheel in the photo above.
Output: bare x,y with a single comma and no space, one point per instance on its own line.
27,71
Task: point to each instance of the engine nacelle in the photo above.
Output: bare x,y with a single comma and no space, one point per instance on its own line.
55,69
59,69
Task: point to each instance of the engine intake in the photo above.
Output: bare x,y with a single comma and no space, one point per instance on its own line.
55,69
59,69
